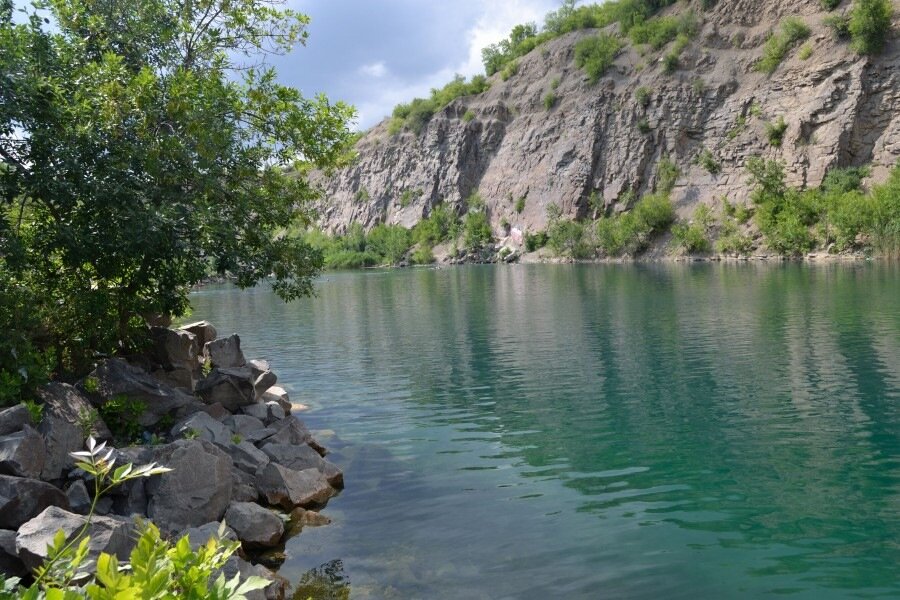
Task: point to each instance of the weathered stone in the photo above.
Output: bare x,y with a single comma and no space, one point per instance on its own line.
300,456
22,453
10,565
257,410
117,378
22,499
288,489
198,489
216,411
274,412
133,502
204,427
12,419
279,395
177,352
107,534
259,435
255,526
225,353
263,377
79,498
232,388
277,590
243,424
198,536
203,330
293,431
243,487
308,518
247,457
69,418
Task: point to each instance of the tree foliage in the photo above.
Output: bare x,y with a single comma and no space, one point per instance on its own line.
144,144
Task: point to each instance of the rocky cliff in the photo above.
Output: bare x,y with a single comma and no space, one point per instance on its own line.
603,139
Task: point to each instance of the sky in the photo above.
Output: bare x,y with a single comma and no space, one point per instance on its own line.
375,54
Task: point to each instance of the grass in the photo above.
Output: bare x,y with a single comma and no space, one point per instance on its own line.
468,116
793,31
550,100
642,96
520,205
806,51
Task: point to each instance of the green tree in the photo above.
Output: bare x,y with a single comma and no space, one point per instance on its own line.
143,145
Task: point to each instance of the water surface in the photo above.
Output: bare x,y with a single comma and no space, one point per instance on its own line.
597,431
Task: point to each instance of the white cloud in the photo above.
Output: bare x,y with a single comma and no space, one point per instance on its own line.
376,70
495,20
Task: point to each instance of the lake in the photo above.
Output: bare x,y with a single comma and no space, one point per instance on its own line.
596,431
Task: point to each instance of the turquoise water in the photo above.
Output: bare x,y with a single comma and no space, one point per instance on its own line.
597,431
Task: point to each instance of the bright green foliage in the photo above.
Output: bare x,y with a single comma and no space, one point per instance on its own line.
595,54
140,152
476,229
468,116
783,215
570,238
509,70
793,31
390,242
708,161
806,51
23,364
408,196
693,237
775,131
520,205
417,113
672,58
839,26
659,31
732,241
535,241
121,414
437,227
642,96
423,255
630,232
829,4
667,174
870,23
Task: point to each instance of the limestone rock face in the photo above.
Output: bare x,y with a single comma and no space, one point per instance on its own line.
108,534
198,489
22,499
842,109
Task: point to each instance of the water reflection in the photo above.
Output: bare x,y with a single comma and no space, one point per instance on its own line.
536,431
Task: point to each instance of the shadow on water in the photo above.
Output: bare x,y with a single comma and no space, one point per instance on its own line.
642,430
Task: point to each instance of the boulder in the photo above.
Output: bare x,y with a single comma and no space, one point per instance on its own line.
255,526
247,457
198,536
293,431
22,499
198,489
224,353
257,410
133,502
112,535
115,377
259,435
263,377
12,419
69,418
277,590
79,498
279,395
243,486
202,330
274,412
177,352
243,424
203,427
10,565
232,388
288,489
300,457
22,453
300,517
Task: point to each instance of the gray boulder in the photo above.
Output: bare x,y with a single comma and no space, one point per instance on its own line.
302,456
274,412
263,377
231,387
12,419
177,352
204,427
10,564
288,489
225,353
198,536
22,499
255,526
203,331
22,453
279,395
117,378
79,498
256,410
247,457
259,435
243,486
243,424
69,418
112,535
198,489
293,431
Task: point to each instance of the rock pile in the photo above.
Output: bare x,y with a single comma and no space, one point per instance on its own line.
203,410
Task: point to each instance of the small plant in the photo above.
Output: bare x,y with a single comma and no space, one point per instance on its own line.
775,132
91,384
739,126
549,100
191,434
408,196
520,205
756,110
362,196
642,96
829,4
206,368
667,174
670,62
423,255
708,161
35,411
554,84
699,86
468,116
237,438
732,241
643,126
595,54
793,31
395,125
86,421
870,24
121,414
806,51
504,252
839,26
509,70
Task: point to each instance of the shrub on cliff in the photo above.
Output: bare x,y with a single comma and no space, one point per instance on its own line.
143,146
870,23
595,54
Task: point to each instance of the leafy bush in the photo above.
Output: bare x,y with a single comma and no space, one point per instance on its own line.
706,160
569,238
520,205
468,116
121,414
839,26
870,23
437,227
408,196
642,95
830,4
806,51
476,229
775,131
793,31
23,365
667,173
732,241
390,242
509,70
630,232
418,112
423,255
535,241
595,54
549,100
659,31
690,237
643,125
